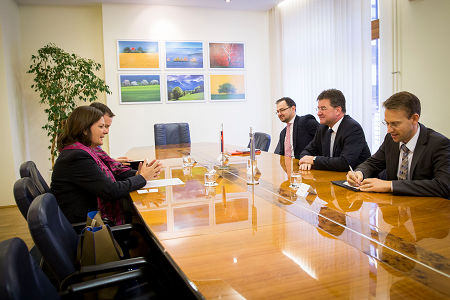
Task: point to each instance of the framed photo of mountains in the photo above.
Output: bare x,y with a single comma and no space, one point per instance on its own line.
185,88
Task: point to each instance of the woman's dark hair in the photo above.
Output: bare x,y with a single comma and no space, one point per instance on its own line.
78,126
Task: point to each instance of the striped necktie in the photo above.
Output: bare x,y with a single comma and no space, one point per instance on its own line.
287,142
403,172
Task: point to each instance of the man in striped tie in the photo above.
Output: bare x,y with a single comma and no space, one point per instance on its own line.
416,159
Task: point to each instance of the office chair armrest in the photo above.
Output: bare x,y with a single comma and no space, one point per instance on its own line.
78,226
100,283
115,266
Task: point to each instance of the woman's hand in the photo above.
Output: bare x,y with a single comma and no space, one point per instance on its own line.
150,170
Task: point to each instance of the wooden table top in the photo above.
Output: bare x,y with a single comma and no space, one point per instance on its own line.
238,241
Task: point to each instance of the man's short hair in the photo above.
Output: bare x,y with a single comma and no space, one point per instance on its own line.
288,100
336,98
403,101
103,108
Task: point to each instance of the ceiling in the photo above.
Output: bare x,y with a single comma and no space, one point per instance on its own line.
218,4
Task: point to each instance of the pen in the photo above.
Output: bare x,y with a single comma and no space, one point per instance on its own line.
352,171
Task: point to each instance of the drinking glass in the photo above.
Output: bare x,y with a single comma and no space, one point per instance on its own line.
296,179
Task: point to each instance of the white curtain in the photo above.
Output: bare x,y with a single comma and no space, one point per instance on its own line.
318,45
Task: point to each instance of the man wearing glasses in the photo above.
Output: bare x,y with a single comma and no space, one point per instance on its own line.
339,140
299,131
416,158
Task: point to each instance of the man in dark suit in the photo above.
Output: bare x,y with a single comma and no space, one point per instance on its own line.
339,140
301,129
416,158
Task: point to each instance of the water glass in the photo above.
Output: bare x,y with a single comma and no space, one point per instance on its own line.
296,179
210,179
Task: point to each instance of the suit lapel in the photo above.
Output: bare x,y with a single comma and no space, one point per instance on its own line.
420,148
392,165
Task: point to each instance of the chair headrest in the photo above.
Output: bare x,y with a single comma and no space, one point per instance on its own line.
25,191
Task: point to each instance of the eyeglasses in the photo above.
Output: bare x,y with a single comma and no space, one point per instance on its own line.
392,124
322,108
282,110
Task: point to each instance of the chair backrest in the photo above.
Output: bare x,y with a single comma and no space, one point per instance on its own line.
53,235
172,133
20,276
262,141
25,191
29,169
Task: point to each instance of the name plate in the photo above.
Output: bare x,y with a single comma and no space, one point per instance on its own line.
305,189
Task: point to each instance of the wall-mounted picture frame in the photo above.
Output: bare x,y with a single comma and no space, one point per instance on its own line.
227,87
140,88
226,55
185,88
184,55
138,55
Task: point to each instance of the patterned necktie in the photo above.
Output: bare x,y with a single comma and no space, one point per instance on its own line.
403,172
287,142
330,132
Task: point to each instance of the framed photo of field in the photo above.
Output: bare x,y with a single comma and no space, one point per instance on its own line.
226,55
140,89
227,87
138,55
184,88
184,55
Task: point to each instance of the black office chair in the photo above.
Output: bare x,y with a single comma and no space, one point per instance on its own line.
20,277
29,169
262,141
172,133
57,241
25,191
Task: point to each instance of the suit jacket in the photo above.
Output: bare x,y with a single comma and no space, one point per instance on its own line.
350,147
304,129
430,165
77,181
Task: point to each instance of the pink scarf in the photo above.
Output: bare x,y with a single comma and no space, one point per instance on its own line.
113,210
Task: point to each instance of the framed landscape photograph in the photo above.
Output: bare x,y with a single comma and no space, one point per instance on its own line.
227,87
138,55
138,89
184,55
226,55
183,88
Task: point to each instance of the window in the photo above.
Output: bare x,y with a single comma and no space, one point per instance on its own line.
376,139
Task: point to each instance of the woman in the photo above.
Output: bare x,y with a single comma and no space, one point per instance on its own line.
83,180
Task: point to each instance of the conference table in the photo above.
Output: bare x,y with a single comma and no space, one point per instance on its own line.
240,241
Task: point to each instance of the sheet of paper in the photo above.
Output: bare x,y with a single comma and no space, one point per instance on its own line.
350,186
163,182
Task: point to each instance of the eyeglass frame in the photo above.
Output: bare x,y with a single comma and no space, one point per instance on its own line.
391,125
282,110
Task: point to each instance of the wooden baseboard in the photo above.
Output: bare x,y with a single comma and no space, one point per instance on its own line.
8,206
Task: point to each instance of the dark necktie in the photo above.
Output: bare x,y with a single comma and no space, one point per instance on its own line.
327,143
403,172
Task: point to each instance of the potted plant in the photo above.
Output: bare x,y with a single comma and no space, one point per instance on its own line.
61,80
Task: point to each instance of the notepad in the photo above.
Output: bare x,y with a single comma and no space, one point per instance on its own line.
163,182
344,184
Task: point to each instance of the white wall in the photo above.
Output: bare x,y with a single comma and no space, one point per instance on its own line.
11,111
74,29
133,124
418,49
425,59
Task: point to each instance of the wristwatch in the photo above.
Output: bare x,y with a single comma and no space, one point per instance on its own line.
314,159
